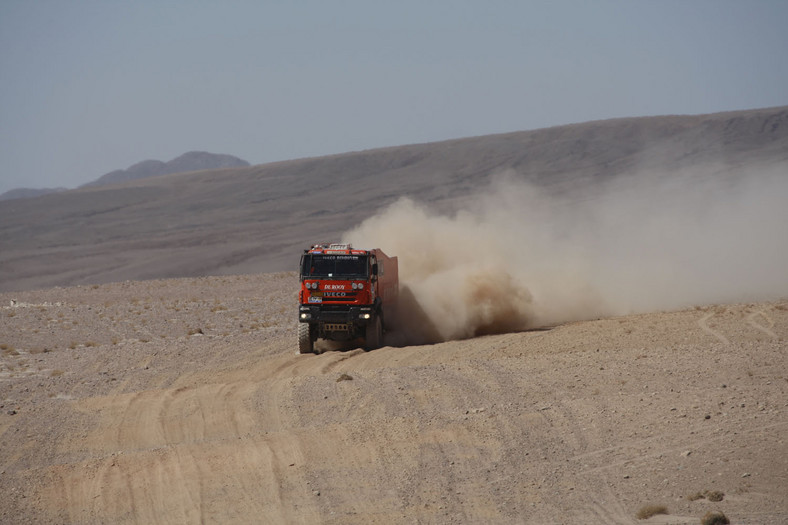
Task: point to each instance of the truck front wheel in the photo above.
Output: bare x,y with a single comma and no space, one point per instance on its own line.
306,344
374,334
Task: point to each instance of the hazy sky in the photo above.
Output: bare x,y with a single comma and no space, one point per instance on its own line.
91,86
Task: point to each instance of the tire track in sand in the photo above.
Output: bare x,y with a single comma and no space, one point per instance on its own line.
703,323
193,453
758,326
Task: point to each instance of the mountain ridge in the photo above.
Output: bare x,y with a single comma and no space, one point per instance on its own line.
253,219
189,161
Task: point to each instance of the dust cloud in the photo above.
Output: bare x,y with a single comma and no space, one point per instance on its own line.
519,256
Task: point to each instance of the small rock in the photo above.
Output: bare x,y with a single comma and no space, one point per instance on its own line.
12,412
746,475
316,492
686,453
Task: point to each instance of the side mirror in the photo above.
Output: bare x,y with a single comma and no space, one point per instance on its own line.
375,269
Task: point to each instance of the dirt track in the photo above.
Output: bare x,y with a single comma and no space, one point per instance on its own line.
182,401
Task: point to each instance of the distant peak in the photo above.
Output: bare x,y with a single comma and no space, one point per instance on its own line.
190,161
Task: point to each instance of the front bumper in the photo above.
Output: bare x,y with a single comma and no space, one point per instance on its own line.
355,315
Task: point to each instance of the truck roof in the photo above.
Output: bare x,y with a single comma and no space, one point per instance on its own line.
334,248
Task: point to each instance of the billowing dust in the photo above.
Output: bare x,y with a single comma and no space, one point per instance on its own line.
518,257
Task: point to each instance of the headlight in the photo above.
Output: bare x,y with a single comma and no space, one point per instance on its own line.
360,286
304,316
364,316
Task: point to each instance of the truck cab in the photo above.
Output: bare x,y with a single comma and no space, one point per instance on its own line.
346,294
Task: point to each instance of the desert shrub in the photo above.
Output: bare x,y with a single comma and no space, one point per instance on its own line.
344,377
711,495
647,511
714,495
714,518
8,350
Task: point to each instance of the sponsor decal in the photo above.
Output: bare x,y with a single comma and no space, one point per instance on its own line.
315,299
334,287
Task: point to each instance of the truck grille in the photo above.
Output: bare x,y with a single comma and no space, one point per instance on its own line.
336,327
347,297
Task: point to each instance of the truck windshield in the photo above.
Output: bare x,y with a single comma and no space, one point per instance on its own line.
334,266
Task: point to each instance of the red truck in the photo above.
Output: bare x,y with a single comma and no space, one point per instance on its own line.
345,294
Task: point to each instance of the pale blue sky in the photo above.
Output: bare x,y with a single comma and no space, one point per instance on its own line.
91,86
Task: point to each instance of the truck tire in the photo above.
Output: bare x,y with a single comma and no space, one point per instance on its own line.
305,343
374,334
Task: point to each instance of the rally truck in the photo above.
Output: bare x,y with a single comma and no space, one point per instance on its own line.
346,294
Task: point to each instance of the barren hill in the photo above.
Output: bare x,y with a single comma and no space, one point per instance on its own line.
256,218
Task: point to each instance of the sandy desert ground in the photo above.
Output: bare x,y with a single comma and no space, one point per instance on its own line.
183,401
